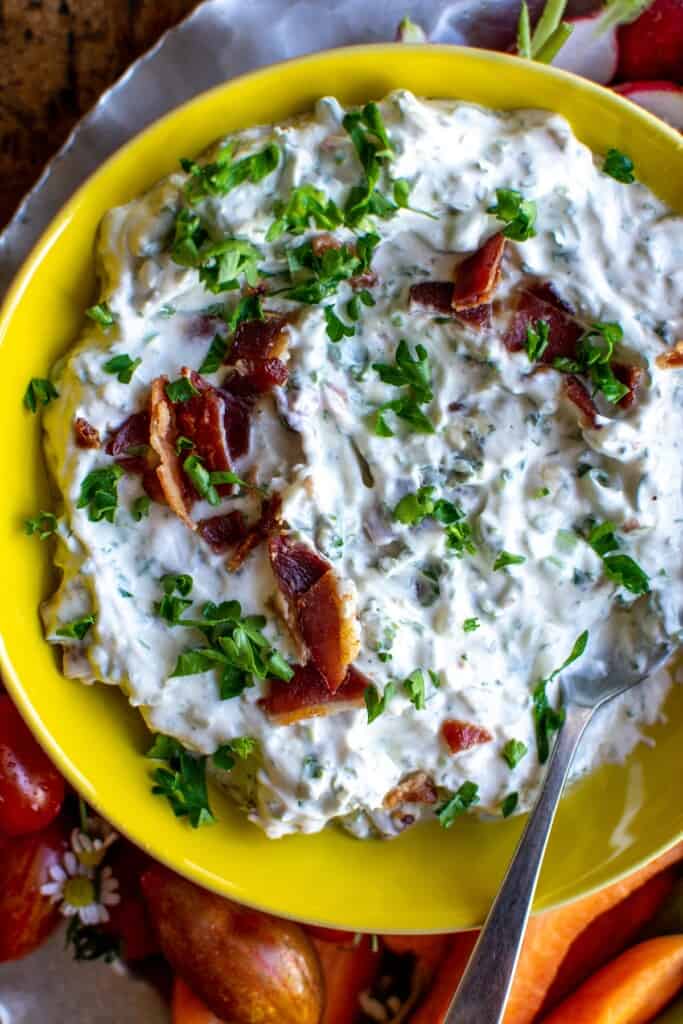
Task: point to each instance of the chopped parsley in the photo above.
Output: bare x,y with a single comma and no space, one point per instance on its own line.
181,390
509,804
205,482
537,339
375,704
101,314
224,174
517,213
182,781
99,493
401,192
172,606
513,752
414,374
619,568
413,508
219,264
123,367
465,797
594,354
546,719
541,492
240,748
373,147
306,206
141,507
77,628
236,647
183,444
213,360
336,328
504,558
317,274
44,524
619,166
469,625
39,391
414,685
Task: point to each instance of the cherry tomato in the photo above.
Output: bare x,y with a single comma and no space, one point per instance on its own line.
31,788
26,916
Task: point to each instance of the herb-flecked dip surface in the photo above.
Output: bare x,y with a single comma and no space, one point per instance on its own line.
373,431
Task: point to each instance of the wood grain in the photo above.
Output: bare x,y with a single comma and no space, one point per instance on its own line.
56,57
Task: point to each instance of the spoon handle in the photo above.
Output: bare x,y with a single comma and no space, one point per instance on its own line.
483,992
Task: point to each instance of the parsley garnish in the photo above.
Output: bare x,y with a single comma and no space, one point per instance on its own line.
236,647
413,508
141,507
621,569
213,359
414,685
40,390
413,373
517,213
305,206
101,314
509,804
99,493
171,606
205,483
514,751
373,147
122,366
504,558
220,264
336,328
401,191
181,390
541,492
375,704
317,275
594,354
546,719
77,628
537,339
44,524
619,166
182,782
465,797
183,444
469,625
224,174
241,748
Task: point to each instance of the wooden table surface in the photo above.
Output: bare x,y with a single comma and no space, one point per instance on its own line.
56,57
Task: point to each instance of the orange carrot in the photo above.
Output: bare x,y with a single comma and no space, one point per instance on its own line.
631,989
433,1008
608,936
429,949
187,1008
550,935
347,971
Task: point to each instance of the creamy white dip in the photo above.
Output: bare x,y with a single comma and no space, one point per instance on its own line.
508,447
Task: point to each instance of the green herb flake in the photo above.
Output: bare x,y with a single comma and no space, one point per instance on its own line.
200,478
241,748
213,360
44,525
513,752
222,175
517,213
465,797
509,804
375,704
140,508
537,339
99,493
414,685
306,207
77,628
336,328
181,390
40,391
122,367
504,558
470,625
540,492
620,568
182,781
547,720
619,166
101,314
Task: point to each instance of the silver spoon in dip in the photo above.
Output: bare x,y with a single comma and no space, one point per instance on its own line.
483,992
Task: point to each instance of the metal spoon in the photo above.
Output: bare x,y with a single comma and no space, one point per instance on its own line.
483,992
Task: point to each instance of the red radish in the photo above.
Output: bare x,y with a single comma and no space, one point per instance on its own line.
651,48
589,52
664,99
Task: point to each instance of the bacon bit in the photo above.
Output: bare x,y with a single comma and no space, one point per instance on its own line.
316,611
416,788
631,377
461,735
85,434
162,435
671,360
236,422
202,419
477,277
260,339
321,243
257,377
152,487
541,302
437,296
578,394
223,532
133,433
268,523
307,695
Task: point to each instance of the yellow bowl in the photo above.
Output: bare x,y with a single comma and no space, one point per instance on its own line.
428,880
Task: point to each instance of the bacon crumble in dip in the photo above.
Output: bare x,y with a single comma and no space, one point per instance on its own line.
373,431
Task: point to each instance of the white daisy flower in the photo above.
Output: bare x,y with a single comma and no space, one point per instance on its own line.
79,894
91,852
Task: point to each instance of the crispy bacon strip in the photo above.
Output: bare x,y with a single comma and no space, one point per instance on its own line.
202,419
316,611
671,360
268,523
461,735
416,788
86,436
129,443
255,357
307,695
578,394
478,276
437,296
223,532
162,436
541,302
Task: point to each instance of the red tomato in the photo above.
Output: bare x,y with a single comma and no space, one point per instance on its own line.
26,916
31,788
